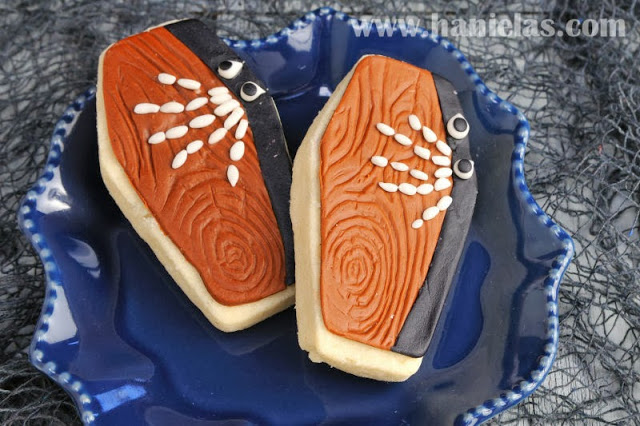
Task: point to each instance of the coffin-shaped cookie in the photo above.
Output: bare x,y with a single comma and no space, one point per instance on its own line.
382,197
192,150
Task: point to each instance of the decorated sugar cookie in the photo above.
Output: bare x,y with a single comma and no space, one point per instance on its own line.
192,151
383,192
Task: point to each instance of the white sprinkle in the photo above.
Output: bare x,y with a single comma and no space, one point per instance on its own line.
146,108
422,152
220,99
218,91
441,160
385,130
217,136
196,103
430,213
429,135
407,188
443,148
202,121
233,175
419,174
172,108
241,130
425,188
414,122
237,151
443,172
165,78
187,83
226,107
444,203
402,139
194,146
379,161
233,119
389,187
179,159
401,167
417,224
177,132
442,183
157,138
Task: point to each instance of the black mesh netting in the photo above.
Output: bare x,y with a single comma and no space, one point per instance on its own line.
581,96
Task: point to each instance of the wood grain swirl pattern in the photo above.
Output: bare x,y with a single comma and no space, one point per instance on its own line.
373,263
229,234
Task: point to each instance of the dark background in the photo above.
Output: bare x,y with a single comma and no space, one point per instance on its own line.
581,96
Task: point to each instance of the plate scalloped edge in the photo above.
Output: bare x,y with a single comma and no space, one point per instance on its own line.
53,278
474,415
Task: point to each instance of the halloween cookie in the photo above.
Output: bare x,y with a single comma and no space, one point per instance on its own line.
382,197
191,148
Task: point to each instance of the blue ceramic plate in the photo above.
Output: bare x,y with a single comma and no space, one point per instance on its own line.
122,339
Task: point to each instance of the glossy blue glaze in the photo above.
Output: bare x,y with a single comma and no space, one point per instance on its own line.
123,340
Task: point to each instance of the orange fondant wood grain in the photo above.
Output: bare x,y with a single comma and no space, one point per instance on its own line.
373,262
229,234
